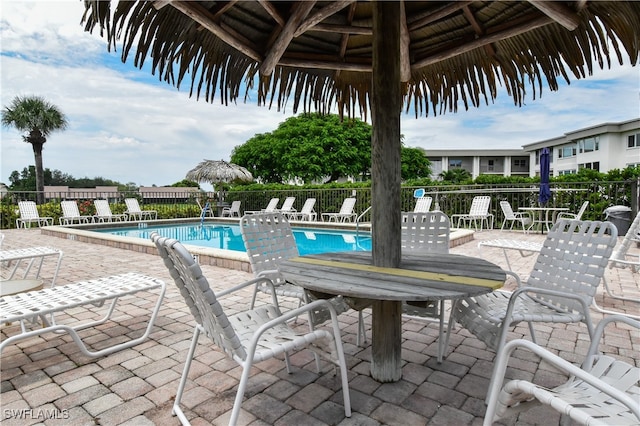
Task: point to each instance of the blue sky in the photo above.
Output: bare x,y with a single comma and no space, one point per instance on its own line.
127,126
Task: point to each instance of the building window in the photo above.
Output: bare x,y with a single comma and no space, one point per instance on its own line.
589,144
567,172
455,164
633,141
567,151
593,166
520,163
490,165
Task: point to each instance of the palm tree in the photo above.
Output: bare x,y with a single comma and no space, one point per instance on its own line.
37,118
455,175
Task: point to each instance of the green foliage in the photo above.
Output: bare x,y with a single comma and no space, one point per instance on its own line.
502,180
309,147
414,164
186,183
456,176
26,180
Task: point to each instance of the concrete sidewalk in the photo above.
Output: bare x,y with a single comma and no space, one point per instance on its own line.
46,380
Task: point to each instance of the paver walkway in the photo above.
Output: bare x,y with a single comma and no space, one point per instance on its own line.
46,380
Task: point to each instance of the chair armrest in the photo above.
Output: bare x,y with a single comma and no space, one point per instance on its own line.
233,289
559,363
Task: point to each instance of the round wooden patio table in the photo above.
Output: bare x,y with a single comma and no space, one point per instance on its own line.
420,277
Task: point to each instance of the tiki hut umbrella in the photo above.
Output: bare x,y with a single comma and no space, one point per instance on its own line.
218,171
377,56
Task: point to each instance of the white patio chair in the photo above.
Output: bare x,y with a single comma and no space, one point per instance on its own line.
479,211
621,258
271,207
346,213
423,204
523,218
268,239
135,212
574,216
603,391
246,337
103,212
71,214
233,210
427,232
560,287
307,212
287,207
29,214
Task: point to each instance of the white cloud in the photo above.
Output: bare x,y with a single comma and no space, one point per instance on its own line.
126,128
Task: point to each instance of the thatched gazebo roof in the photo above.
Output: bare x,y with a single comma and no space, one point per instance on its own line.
382,55
318,54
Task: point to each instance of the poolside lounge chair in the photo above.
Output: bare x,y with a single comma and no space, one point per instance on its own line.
346,213
287,207
248,336
574,216
71,214
560,287
134,212
479,211
307,212
271,207
426,232
423,204
523,218
233,210
103,212
38,308
603,391
29,214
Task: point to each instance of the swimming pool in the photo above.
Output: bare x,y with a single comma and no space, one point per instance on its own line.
228,237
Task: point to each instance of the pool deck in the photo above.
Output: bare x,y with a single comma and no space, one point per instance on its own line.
135,387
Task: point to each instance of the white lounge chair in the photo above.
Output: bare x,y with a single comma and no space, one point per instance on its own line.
71,214
307,212
523,218
103,212
248,336
479,211
574,216
233,210
346,213
423,204
287,206
29,214
271,207
135,212
603,391
560,287
429,233
39,307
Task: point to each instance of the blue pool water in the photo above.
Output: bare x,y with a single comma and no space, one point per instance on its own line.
228,237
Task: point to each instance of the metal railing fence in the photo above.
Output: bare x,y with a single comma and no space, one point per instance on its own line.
450,199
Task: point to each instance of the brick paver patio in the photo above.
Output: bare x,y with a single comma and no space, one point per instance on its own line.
46,380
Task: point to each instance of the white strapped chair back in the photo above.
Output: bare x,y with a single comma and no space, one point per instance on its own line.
248,336
560,287
423,204
103,212
523,218
135,211
346,213
307,212
29,214
71,214
427,232
479,211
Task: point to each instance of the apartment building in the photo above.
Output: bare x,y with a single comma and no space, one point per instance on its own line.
601,147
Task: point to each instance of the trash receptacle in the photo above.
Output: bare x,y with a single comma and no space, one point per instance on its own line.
620,216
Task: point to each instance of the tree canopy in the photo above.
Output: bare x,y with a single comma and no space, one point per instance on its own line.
314,147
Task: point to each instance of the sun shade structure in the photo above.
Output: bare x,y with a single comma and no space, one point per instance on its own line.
218,171
371,58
